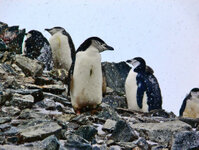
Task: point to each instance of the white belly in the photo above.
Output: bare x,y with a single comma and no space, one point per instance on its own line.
192,109
131,93
87,81
60,51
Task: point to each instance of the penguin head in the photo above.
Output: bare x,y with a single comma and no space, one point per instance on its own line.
195,92
138,63
34,34
96,42
54,30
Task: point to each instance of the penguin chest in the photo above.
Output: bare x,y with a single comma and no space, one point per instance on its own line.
61,52
192,109
131,91
87,81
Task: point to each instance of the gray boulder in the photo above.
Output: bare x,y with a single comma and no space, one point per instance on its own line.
29,67
115,74
123,132
160,132
185,140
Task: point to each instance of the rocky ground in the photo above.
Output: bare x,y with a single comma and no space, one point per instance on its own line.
35,114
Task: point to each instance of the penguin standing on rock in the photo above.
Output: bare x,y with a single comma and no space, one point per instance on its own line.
36,46
190,105
63,49
142,88
86,80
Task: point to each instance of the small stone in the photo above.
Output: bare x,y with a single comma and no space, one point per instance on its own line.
14,147
50,143
107,113
13,131
76,142
127,145
123,132
11,111
4,120
142,143
29,67
36,93
109,125
22,101
39,131
88,132
185,140
5,96
115,147
4,127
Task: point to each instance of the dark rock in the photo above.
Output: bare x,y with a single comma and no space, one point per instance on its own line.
191,121
116,74
185,140
160,113
39,131
75,142
5,96
107,113
50,143
159,147
2,139
4,127
115,101
29,67
54,88
5,120
13,139
123,132
88,132
43,81
59,74
22,101
127,145
160,132
13,131
49,104
59,99
11,83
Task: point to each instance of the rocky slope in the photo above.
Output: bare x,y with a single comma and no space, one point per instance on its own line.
35,114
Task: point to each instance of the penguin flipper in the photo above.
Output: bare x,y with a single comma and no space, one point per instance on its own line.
140,94
184,105
68,81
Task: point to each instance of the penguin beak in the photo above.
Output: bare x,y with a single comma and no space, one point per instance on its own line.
108,47
47,30
128,61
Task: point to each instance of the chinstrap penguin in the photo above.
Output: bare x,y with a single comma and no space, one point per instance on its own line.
63,49
142,88
190,105
36,46
86,80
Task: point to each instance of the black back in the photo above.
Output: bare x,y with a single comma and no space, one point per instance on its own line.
38,47
148,83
